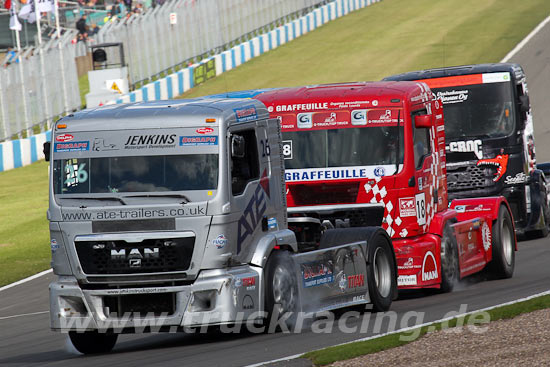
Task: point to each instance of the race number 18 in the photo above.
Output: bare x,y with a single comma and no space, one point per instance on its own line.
420,200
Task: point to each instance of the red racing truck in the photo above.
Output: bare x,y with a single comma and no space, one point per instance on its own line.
367,153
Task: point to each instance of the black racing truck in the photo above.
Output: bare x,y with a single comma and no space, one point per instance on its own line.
489,138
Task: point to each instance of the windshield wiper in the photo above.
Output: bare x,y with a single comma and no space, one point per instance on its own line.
101,198
178,196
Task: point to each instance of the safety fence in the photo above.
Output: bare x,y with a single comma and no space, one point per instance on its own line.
43,84
185,79
24,151
21,152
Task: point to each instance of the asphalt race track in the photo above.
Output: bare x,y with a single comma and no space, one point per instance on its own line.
26,340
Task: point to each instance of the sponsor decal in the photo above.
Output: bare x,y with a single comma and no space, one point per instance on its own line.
429,267
407,207
500,162
379,171
420,183
358,298
486,236
474,146
460,208
64,137
302,107
141,213
359,117
375,102
517,179
383,117
404,280
150,141
355,281
220,242
404,232
453,96
100,145
272,223
249,283
409,264
197,140
317,273
75,146
305,120
204,130
53,245
342,284
247,113
251,217
248,302
334,173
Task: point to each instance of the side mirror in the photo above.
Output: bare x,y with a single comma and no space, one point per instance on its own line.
524,103
423,121
237,146
46,149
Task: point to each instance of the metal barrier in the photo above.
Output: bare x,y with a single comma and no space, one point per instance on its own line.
157,42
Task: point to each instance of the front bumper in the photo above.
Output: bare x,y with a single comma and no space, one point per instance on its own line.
216,297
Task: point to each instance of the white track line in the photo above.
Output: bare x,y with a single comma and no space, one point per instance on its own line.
408,328
25,280
520,45
23,314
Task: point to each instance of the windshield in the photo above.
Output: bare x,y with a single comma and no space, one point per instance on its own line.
479,110
342,144
342,147
158,173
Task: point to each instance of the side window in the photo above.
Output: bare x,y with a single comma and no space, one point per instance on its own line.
246,168
421,141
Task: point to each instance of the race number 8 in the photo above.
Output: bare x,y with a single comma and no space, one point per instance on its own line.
287,149
420,200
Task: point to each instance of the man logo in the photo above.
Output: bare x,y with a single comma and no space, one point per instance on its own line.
359,117
429,267
304,121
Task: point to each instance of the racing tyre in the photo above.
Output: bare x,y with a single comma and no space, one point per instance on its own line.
449,260
281,287
381,276
504,255
92,342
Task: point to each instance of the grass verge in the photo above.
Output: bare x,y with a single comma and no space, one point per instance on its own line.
332,354
386,38
24,238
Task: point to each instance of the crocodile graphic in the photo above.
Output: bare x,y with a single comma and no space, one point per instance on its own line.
500,161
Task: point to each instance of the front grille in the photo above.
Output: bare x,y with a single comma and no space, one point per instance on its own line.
147,256
140,305
324,193
469,176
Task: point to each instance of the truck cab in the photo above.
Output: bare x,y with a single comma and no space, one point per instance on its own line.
489,138
167,215
358,152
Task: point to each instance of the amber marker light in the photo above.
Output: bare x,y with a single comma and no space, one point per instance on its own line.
61,126
210,120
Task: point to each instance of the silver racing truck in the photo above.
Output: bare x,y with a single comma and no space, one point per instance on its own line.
172,215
